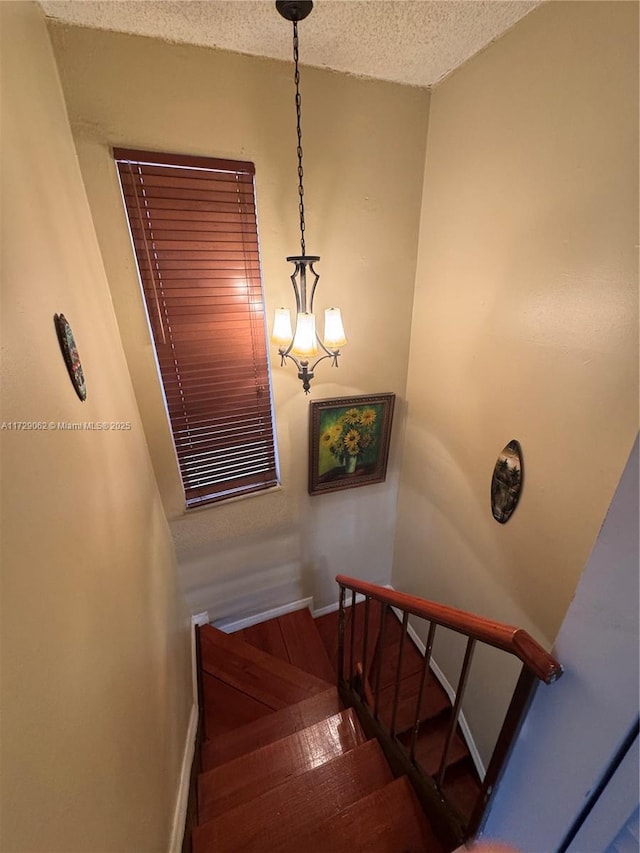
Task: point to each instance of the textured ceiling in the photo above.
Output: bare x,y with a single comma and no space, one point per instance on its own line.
407,41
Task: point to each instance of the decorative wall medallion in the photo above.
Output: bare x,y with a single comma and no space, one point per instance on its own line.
506,483
70,353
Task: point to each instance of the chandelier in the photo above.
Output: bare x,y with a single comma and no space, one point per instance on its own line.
303,345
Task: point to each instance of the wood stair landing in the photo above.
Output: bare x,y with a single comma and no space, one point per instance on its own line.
285,767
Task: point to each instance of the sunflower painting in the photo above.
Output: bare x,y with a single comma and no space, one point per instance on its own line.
349,442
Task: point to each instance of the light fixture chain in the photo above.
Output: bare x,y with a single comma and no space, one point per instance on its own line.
299,132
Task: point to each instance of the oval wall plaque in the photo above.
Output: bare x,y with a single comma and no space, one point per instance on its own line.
506,483
70,353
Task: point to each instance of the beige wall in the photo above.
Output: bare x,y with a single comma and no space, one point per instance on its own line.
364,145
96,682
525,320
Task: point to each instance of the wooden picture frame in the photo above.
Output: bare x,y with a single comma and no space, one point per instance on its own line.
349,442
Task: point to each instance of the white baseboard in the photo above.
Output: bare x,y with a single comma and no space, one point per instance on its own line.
182,798
256,618
331,608
198,619
451,693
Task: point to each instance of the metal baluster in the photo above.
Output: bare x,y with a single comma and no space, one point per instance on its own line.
353,631
341,637
423,678
365,643
396,694
379,661
462,683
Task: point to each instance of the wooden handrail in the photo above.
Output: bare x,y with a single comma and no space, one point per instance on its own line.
515,641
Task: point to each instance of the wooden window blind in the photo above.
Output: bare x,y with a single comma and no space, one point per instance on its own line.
194,233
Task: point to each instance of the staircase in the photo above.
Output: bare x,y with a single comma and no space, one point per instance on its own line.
284,766
287,762
283,763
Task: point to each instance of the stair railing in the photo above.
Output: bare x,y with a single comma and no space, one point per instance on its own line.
356,690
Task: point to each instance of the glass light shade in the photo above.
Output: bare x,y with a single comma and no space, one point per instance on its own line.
334,336
282,333
304,343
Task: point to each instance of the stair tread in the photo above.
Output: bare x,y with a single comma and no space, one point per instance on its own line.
260,675
327,627
389,820
270,728
251,775
281,814
412,661
434,701
462,787
225,708
294,638
304,644
430,742
266,636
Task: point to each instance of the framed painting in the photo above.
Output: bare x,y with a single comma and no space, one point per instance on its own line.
349,442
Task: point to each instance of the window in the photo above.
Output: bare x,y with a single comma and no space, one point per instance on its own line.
194,233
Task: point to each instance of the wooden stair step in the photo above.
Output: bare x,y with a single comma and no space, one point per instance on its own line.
274,726
304,644
462,787
327,627
281,814
262,676
430,743
434,701
295,639
392,627
412,661
266,636
251,775
388,820
225,708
